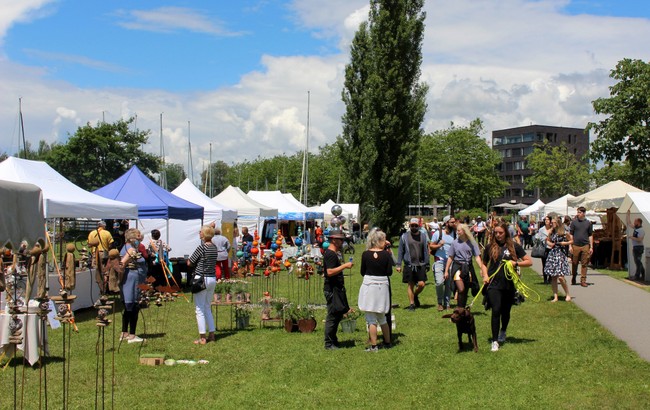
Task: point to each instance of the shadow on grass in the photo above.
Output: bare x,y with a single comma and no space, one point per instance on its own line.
22,362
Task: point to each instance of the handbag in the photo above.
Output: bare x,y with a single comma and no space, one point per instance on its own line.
340,304
538,249
198,283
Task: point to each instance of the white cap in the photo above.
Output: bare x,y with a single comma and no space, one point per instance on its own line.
414,221
446,219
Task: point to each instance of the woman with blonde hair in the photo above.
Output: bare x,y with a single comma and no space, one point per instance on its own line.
459,263
557,261
374,295
134,263
204,259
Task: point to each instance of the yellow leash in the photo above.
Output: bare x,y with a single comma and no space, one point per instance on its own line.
511,274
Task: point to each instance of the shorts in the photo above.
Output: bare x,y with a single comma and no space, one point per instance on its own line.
373,318
414,274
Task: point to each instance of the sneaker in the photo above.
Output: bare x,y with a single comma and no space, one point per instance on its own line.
373,349
332,347
136,339
495,346
411,307
387,345
502,336
416,299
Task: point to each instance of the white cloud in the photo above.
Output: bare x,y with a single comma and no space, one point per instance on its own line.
23,11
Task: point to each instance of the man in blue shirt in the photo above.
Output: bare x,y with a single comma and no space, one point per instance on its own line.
440,243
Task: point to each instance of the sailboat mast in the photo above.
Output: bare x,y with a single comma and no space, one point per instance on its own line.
163,173
21,131
190,166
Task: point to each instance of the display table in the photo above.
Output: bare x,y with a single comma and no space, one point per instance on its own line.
217,305
86,289
33,333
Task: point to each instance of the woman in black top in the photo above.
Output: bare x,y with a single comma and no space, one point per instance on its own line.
333,282
501,289
374,295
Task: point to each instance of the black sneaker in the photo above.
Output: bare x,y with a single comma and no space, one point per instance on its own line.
386,345
411,307
416,299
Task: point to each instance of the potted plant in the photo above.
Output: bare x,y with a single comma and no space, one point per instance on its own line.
218,290
349,322
278,306
227,285
242,316
245,290
237,290
299,317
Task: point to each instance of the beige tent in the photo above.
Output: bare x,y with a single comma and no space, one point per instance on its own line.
607,196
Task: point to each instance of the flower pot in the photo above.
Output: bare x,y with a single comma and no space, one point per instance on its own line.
290,326
239,297
306,325
228,298
242,322
217,297
349,325
248,297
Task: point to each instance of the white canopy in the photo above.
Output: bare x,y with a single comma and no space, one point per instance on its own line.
62,198
533,209
182,236
609,195
559,206
246,207
21,216
287,209
638,203
350,210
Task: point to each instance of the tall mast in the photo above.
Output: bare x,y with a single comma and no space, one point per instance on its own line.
163,174
21,131
304,179
190,166
210,172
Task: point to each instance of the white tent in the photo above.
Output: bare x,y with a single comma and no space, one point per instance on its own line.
287,209
182,236
62,198
250,213
311,214
609,195
21,216
559,206
349,210
638,203
533,209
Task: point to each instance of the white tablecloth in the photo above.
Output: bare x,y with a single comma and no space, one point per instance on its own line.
32,333
86,289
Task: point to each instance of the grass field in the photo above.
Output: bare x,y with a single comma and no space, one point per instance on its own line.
556,356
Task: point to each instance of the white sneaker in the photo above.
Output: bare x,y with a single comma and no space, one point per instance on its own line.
495,346
502,336
136,339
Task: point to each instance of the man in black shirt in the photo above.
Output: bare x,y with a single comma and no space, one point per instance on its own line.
333,283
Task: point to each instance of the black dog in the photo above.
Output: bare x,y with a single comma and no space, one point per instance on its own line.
464,321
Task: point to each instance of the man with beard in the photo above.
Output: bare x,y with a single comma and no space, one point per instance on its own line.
413,250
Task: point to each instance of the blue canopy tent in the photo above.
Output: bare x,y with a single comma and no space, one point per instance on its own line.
153,201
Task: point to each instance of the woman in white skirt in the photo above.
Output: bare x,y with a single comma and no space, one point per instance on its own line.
374,297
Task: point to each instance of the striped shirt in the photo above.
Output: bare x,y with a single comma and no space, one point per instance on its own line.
205,259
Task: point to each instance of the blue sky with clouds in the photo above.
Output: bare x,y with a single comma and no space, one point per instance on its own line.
240,71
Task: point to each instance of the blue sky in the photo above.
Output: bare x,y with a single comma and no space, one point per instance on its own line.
239,71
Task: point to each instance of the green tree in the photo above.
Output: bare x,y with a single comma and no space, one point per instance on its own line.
458,168
625,133
175,174
556,171
385,107
96,156
42,153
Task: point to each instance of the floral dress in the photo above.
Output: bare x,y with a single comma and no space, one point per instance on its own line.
557,262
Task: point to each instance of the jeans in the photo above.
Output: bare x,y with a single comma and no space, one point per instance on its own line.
637,251
443,287
203,307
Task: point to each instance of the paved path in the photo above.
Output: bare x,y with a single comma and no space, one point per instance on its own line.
619,306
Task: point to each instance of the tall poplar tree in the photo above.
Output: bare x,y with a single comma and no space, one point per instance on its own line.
385,107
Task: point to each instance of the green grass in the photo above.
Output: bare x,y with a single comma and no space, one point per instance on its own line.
622,275
556,356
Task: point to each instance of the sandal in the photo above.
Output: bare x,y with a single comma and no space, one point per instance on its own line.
200,341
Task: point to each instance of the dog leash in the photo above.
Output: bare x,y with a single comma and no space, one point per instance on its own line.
510,274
